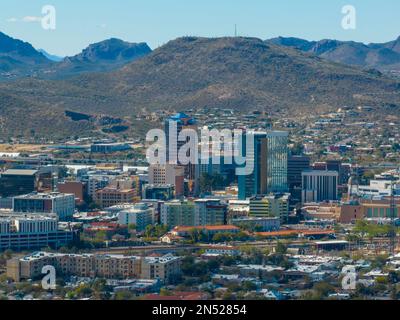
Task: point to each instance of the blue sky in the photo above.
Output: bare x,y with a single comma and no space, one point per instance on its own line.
80,23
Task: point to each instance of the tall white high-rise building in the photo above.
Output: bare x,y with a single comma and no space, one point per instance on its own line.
318,186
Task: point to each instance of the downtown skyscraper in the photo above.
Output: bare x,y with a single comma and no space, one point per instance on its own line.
173,126
269,157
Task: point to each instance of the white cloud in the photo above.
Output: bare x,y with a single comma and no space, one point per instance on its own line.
32,19
12,19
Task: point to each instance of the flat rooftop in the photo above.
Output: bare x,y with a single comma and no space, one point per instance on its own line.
52,195
19,172
333,242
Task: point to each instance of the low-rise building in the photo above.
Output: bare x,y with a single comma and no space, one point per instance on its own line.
210,212
109,147
164,268
17,182
164,192
59,203
21,231
350,212
168,174
321,211
95,183
112,196
178,213
259,224
141,215
273,205
376,188
380,208
201,212
76,188
87,265
209,230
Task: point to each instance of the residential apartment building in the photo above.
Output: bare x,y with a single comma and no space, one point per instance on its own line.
165,268
210,212
104,266
178,213
201,212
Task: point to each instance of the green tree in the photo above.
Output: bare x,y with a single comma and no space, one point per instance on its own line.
164,292
249,286
322,290
195,235
101,236
281,248
124,295
209,183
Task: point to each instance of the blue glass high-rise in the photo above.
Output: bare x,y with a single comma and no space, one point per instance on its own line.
270,158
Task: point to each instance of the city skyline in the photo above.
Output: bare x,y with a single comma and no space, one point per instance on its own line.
238,163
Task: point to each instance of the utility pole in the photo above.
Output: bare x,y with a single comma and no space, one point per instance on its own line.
236,31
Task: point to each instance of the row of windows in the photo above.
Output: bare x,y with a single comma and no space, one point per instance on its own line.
381,212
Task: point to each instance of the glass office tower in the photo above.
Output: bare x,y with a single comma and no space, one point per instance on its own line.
182,122
270,158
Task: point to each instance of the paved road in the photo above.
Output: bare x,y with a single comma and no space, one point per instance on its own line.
379,242
145,249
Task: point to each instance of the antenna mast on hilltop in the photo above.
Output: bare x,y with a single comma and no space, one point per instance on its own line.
236,31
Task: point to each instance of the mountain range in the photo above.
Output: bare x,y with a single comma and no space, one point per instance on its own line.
243,73
104,56
50,56
382,56
19,59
